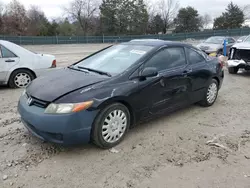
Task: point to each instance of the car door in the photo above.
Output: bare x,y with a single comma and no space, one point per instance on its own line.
7,60
170,88
199,73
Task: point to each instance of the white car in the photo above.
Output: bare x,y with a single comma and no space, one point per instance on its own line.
19,66
241,39
239,57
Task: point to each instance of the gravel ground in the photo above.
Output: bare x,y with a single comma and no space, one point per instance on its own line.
195,147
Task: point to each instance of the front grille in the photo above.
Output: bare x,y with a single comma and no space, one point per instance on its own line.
239,54
37,102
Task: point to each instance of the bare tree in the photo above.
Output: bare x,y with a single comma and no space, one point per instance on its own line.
246,11
37,20
15,19
35,13
1,18
1,8
82,11
151,9
206,20
168,10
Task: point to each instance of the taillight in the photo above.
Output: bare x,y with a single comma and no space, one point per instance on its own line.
221,61
221,64
53,64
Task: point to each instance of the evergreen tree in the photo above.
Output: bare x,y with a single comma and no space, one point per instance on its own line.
232,18
187,20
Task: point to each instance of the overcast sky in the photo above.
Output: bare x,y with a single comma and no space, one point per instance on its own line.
53,8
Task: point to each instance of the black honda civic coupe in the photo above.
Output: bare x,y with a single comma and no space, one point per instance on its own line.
100,97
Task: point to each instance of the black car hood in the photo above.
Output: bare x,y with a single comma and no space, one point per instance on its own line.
60,82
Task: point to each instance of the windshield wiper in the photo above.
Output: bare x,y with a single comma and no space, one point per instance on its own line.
96,71
73,68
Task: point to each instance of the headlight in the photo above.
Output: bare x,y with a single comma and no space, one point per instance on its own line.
213,49
65,108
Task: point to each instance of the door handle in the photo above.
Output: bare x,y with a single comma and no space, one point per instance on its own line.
187,71
10,61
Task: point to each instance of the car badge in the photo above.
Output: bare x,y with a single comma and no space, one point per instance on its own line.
29,101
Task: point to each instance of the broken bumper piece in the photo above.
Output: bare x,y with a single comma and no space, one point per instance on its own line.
239,64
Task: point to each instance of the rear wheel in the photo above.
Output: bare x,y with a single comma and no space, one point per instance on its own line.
20,78
211,94
111,125
233,70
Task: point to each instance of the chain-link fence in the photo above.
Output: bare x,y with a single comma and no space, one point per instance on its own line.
38,40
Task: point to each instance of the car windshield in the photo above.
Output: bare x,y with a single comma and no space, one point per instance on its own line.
215,40
247,39
115,59
242,38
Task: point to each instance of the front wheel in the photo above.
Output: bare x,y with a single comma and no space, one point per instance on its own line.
111,125
211,94
20,78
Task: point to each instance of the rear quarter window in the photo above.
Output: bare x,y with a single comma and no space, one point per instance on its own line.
6,53
195,56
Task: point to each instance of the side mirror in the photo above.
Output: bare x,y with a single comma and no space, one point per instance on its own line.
149,72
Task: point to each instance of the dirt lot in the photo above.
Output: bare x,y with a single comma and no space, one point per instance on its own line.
195,147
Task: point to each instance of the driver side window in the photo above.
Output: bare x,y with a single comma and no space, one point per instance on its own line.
168,58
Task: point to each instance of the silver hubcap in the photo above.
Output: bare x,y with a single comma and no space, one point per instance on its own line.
114,126
212,93
22,79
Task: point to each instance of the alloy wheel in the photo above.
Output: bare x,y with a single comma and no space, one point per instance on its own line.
212,93
22,80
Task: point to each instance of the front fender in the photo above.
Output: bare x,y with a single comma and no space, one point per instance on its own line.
101,104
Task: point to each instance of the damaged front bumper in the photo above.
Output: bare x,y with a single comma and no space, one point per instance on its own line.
239,58
238,63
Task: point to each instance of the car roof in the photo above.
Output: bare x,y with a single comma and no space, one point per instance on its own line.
7,43
154,42
4,42
16,49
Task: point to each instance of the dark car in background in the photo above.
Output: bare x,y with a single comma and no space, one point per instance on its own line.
100,97
216,45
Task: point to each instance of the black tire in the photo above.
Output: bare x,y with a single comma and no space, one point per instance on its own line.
205,102
13,75
233,70
96,135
